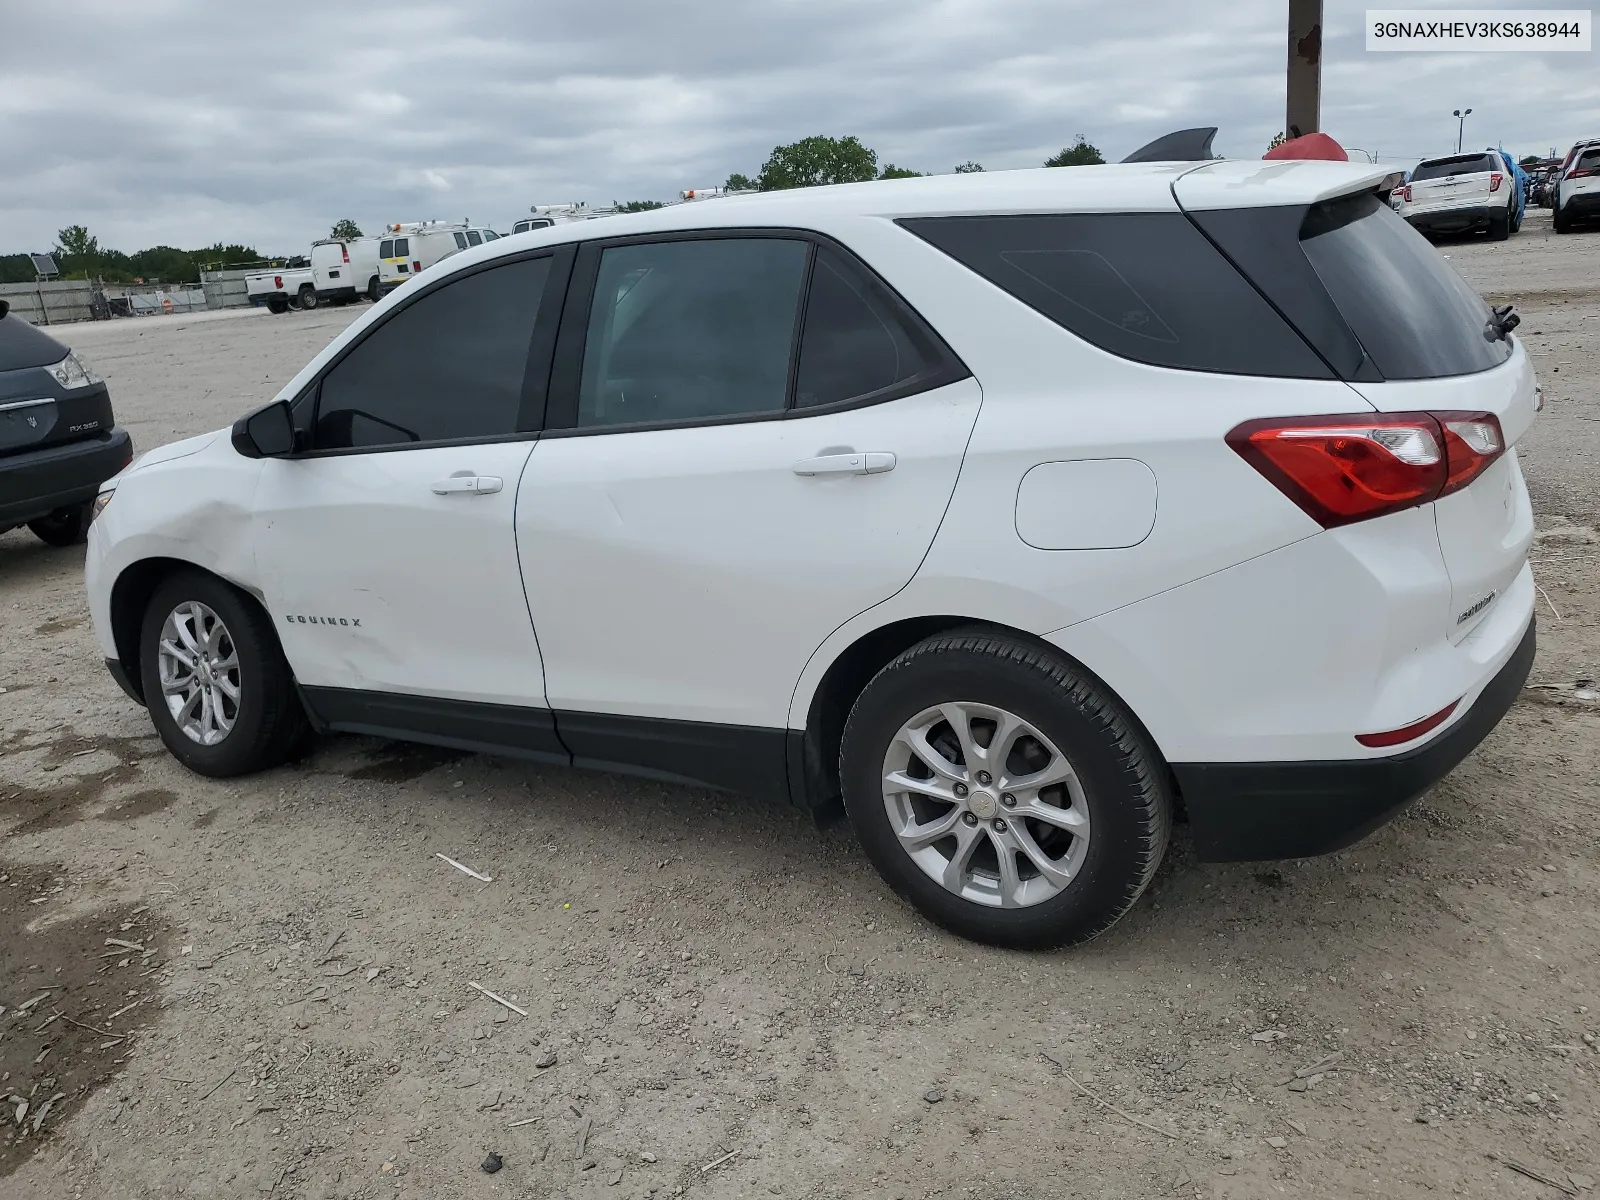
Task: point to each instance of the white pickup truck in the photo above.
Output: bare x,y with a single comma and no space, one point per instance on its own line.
283,288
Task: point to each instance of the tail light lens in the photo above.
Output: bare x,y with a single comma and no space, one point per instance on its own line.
277,281
345,251
1343,469
1405,193
416,266
1579,174
1495,180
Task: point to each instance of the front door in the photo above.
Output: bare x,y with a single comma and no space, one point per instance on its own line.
387,552
760,443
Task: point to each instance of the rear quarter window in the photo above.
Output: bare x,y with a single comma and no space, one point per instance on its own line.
1143,286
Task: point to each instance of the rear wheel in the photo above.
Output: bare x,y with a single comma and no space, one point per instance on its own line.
216,683
277,304
1003,792
1500,227
373,293
64,527
308,297
1562,223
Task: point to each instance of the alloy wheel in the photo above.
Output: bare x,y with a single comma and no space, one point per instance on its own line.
986,805
199,671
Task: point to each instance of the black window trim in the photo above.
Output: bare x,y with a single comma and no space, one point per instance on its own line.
566,376
535,380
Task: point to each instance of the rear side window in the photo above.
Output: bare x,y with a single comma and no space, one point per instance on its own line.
474,238
386,248
691,330
860,341
1460,164
1143,286
1415,316
448,365
461,241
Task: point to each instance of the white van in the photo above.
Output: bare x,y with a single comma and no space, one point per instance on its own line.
345,271
543,216
409,248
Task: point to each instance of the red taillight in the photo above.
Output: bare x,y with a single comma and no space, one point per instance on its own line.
1405,192
277,281
1409,733
416,266
344,250
1342,469
1495,180
1582,173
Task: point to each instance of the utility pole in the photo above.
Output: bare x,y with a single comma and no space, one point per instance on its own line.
1304,113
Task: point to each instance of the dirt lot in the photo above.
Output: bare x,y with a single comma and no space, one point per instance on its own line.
723,1002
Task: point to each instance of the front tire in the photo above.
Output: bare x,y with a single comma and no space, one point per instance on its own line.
65,527
218,688
1003,792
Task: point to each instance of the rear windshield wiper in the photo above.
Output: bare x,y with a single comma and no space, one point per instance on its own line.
1501,322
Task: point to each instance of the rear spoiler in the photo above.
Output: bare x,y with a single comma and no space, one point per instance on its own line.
1184,145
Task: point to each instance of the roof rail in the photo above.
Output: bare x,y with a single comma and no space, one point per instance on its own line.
1184,145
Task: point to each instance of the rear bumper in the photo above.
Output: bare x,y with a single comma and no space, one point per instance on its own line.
35,483
1583,204
1240,812
1454,219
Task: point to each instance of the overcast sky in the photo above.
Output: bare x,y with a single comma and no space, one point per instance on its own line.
194,121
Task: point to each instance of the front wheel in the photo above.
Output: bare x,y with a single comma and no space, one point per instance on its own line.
216,683
1003,792
64,527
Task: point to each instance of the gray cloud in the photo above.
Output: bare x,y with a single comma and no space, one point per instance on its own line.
193,121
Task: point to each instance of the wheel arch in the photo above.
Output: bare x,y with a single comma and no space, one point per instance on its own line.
814,749
130,597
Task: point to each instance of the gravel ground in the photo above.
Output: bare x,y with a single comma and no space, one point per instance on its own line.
721,1001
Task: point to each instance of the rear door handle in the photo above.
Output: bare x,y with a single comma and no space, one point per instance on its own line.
472,485
871,462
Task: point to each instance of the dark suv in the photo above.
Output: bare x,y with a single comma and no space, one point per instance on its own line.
58,442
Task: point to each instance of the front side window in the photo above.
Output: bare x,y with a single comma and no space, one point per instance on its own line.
489,235
694,329
449,365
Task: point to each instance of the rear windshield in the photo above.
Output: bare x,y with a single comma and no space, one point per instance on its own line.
402,247
1589,160
1461,164
1143,286
1416,317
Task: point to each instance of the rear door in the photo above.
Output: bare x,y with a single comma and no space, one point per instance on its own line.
1423,330
759,443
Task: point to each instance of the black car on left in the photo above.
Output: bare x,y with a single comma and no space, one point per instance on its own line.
58,440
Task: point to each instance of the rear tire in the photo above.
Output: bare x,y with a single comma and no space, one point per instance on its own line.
65,527
1099,822
1500,227
209,651
374,294
308,297
1562,224
278,304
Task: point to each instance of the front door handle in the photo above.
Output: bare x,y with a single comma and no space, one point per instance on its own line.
472,485
871,462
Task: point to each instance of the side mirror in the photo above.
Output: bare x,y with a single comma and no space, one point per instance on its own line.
266,433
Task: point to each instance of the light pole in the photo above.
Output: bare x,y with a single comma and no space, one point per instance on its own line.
1461,116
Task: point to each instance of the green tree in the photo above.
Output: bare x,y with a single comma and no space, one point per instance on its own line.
345,230
740,183
1080,154
75,242
890,171
1277,140
628,206
814,161
970,168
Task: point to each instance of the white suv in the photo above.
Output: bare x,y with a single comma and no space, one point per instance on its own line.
1020,511
1577,189
1461,193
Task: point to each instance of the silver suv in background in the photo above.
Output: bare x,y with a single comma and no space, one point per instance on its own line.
1460,194
1576,190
